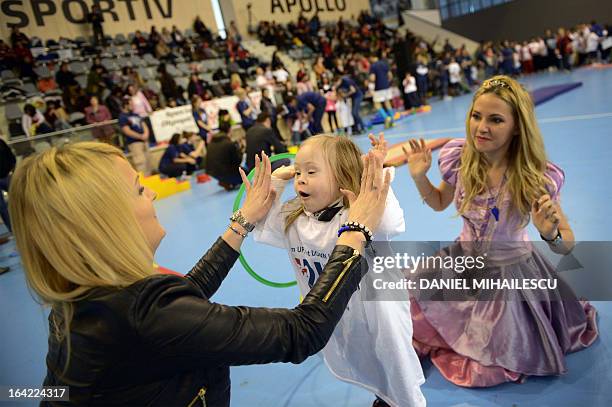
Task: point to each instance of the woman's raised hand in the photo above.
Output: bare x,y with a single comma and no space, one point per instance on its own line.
419,158
259,195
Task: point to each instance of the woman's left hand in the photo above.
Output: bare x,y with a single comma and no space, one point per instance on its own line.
259,195
546,216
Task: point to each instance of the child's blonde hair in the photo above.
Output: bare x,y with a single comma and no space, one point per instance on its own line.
344,159
527,156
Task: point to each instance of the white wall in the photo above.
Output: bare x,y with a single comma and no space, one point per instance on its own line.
430,31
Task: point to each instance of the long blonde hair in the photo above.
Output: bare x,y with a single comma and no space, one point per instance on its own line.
344,159
526,180
75,227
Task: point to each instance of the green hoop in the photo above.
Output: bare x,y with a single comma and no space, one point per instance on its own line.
242,259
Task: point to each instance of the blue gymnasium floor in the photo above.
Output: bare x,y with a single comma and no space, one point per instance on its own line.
576,128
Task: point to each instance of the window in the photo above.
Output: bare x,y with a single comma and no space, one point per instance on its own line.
457,8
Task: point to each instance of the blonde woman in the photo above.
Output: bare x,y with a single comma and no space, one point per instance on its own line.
499,179
121,334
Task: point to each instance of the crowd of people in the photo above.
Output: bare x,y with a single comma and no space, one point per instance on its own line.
352,63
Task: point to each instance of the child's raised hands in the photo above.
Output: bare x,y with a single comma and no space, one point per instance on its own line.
286,172
419,158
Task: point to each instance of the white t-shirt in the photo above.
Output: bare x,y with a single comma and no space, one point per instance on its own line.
372,344
526,54
422,69
543,48
261,81
281,75
454,72
592,42
409,85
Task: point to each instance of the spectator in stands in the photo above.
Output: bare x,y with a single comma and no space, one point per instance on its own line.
25,60
168,85
280,74
318,68
200,28
166,37
177,36
46,83
201,118
154,36
97,113
136,133
33,122
7,56
95,81
129,76
260,78
196,86
114,102
235,82
260,137
245,107
17,37
219,75
140,103
234,34
66,80
56,116
140,43
223,158
174,161
96,18
163,51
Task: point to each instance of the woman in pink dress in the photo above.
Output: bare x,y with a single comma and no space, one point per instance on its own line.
499,179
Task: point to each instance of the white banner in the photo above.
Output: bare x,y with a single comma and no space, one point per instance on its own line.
168,121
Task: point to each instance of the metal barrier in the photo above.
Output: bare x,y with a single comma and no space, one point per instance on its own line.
28,145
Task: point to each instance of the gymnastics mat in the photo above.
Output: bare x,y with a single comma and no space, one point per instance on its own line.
542,95
378,119
395,156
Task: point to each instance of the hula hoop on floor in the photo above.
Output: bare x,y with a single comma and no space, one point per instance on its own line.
242,259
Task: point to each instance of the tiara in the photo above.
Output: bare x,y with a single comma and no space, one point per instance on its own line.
493,83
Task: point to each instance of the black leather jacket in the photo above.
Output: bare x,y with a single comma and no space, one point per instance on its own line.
161,342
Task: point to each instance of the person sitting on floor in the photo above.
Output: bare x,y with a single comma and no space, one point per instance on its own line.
175,162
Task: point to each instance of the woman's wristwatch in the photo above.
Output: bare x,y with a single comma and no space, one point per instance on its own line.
556,241
239,219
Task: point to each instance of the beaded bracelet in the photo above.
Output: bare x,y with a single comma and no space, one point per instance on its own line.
356,227
237,231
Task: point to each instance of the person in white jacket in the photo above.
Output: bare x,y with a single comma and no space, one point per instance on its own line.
372,344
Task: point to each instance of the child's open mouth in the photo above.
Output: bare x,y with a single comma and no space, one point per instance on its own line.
304,194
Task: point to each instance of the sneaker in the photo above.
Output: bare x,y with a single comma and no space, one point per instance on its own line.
388,122
4,270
